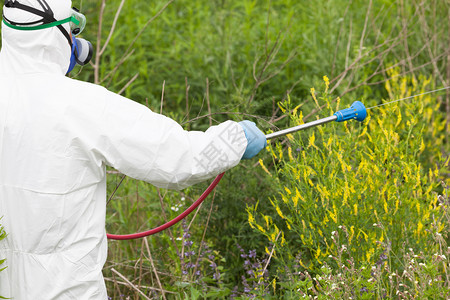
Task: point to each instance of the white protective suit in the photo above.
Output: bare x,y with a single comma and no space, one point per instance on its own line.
56,137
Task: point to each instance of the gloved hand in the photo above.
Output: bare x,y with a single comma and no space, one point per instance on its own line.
256,140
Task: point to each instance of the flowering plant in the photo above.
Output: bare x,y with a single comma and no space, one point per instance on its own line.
369,183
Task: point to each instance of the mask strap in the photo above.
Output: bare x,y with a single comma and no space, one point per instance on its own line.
38,27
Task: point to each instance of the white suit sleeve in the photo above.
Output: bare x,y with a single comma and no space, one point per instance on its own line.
151,147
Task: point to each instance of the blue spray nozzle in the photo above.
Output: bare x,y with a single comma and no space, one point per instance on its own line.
357,111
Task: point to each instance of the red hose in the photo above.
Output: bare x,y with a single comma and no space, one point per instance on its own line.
170,223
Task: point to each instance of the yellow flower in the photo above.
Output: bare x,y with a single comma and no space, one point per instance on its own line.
422,146
419,227
260,228
283,240
273,237
288,225
266,218
313,94
291,158
352,233
251,219
264,167
279,211
327,83
318,253
312,139
294,111
399,118
280,105
301,263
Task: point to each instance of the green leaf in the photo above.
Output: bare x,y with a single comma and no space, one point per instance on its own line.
195,294
182,284
218,293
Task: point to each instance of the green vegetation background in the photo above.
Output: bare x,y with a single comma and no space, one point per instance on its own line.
205,61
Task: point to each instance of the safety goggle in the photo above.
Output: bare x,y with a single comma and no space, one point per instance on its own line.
77,22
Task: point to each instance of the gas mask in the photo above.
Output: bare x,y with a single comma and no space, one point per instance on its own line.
82,50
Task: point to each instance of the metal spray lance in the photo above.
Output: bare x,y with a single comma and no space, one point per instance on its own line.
356,111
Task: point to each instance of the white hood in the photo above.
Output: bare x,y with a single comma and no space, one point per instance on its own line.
35,51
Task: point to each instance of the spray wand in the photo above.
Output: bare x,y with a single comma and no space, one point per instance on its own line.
357,111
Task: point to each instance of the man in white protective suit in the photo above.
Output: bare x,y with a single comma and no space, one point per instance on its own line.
56,137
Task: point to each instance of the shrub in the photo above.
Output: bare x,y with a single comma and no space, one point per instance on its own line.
422,275
357,176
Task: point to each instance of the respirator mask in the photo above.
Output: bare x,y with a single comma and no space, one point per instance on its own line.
82,49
